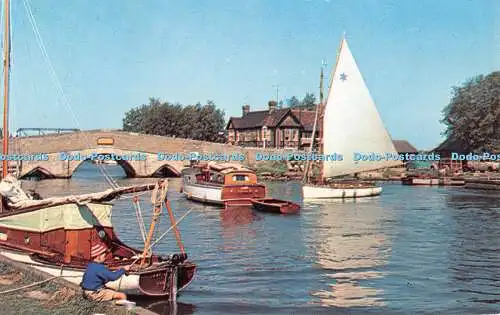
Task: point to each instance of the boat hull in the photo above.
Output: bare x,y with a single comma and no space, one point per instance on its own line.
219,195
138,283
323,192
203,193
59,239
415,181
420,181
275,206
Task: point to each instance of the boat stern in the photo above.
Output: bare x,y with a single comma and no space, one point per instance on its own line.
230,192
159,281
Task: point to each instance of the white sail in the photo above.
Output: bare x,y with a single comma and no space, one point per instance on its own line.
352,123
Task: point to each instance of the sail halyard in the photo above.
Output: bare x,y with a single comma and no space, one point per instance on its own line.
6,78
318,108
352,124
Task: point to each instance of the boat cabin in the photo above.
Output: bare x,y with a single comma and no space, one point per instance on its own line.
222,176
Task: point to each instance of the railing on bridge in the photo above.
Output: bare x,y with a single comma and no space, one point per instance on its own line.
24,132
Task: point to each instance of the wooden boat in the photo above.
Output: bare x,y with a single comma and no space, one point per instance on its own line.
451,181
55,235
275,206
414,180
217,183
340,190
350,126
422,180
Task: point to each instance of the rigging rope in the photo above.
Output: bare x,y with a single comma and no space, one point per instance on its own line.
162,236
57,82
110,180
140,219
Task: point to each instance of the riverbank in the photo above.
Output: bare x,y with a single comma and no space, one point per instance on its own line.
294,170
47,298
57,296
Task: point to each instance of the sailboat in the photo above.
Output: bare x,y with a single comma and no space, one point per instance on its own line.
55,235
353,136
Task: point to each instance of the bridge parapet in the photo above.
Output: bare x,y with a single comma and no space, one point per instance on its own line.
119,143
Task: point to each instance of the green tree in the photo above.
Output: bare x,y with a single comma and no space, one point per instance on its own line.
293,102
309,101
473,114
165,119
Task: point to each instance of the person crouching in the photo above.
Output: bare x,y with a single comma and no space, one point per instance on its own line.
97,275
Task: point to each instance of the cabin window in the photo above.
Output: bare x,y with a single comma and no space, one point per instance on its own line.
240,178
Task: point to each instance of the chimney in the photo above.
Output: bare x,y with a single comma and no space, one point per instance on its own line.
272,106
246,109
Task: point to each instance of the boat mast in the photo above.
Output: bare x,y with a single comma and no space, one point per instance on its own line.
322,116
318,108
6,77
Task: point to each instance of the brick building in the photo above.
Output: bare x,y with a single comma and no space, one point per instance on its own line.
274,127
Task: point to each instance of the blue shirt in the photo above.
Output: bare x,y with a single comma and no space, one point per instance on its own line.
96,276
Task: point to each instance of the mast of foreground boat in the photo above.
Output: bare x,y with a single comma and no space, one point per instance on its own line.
6,78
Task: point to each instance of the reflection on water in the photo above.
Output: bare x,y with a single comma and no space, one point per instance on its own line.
410,250
351,247
163,307
237,215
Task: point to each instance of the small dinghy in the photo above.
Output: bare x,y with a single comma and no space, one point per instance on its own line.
275,206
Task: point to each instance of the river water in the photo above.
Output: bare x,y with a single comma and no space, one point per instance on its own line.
410,250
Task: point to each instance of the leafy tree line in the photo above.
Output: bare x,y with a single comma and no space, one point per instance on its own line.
473,114
199,122
308,102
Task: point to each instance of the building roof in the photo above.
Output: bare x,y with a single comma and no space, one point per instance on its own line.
258,119
404,146
306,119
452,145
261,118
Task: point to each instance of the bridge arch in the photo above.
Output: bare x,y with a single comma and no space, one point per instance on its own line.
38,173
125,165
166,170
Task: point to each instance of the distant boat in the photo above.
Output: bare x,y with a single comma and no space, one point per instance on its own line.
350,124
424,180
105,162
221,184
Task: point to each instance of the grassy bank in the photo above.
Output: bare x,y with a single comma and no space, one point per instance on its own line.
273,168
47,298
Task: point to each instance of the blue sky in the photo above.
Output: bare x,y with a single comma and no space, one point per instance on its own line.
113,55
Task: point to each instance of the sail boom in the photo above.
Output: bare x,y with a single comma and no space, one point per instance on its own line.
366,169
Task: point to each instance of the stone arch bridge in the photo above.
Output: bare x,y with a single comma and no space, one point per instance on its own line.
59,155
